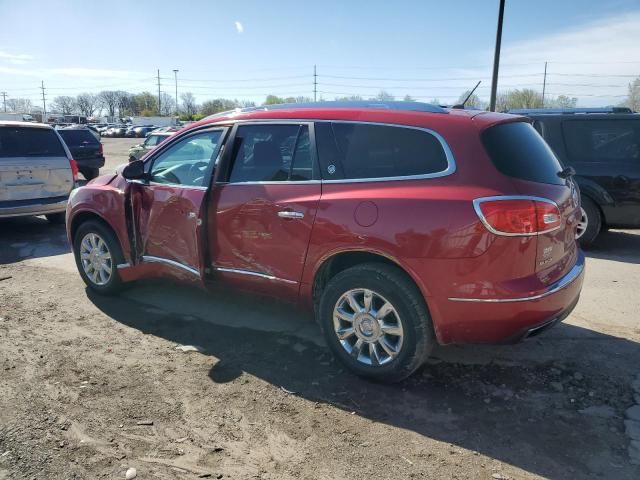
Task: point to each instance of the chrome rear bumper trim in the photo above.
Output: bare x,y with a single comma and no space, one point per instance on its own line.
565,281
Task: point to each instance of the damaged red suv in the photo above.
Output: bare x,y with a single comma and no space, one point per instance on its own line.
402,224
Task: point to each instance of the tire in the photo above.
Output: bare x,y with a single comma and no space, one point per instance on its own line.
386,284
90,173
591,214
109,242
56,218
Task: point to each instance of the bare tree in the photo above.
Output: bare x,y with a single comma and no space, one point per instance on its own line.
65,104
87,104
19,105
124,101
633,101
189,105
474,100
167,104
384,96
109,100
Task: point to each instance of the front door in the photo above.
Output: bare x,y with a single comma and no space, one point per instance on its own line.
263,210
168,208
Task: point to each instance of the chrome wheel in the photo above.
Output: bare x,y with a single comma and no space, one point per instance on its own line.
368,326
582,224
96,259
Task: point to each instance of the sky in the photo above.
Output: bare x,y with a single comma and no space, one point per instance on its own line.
248,49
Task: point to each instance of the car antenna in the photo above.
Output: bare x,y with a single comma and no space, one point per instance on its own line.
461,105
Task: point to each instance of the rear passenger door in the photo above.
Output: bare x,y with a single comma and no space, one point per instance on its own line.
608,152
263,207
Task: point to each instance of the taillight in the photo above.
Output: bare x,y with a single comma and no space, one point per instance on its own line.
518,216
74,169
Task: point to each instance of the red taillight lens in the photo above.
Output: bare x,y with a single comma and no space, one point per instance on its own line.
518,216
74,169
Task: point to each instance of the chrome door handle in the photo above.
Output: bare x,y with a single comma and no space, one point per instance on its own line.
290,214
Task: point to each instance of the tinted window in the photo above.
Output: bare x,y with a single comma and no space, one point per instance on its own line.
602,140
30,142
77,137
352,151
517,150
267,153
187,162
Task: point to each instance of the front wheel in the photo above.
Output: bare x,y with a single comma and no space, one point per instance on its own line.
97,253
376,322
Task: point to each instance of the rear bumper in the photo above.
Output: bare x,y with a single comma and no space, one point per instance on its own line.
503,320
39,206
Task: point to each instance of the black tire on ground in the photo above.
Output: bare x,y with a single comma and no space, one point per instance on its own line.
114,284
398,289
90,173
56,218
594,222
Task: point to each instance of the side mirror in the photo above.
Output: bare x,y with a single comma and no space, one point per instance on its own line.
134,171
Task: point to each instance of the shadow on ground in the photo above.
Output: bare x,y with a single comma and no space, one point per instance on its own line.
30,237
616,245
519,404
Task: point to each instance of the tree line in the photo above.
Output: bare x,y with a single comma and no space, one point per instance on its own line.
119,103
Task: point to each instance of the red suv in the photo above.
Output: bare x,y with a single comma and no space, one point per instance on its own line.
402,224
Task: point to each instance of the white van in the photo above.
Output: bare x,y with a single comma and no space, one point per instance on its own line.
37,172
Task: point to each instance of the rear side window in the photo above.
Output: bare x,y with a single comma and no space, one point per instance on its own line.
602,140
29,142
360,151
77,137
518,151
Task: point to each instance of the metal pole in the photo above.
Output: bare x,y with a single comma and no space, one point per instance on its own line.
159,106
4,101
496,59
175,72
544,83
315,84
44,104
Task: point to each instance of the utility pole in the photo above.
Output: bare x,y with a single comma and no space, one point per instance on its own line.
175,73
159,109
496,59
544,83
315,84
44,105
4,100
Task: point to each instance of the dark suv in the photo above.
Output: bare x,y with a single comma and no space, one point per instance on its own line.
86,150
603,146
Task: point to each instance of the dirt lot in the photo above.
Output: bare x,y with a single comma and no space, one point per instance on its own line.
264,399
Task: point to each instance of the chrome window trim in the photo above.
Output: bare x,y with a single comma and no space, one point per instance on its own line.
451,163
173,263
478,201
564,282
254,274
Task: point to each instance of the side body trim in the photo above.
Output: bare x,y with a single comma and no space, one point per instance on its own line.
173,263
254,274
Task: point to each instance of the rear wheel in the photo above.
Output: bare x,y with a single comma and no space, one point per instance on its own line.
376,322
590,222
56,218
90,173
97,253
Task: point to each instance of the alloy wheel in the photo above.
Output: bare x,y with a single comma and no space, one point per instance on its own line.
96,259
582,224
368,327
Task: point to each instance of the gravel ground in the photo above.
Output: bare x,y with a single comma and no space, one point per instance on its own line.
91,386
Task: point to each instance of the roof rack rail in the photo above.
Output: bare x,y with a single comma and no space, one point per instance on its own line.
374,104
527,111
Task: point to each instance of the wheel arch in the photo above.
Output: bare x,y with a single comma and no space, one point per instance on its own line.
87,215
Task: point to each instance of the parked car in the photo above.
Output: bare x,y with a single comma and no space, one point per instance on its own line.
86,149
37,171
142,132
152,141
119,131
603,146
401,224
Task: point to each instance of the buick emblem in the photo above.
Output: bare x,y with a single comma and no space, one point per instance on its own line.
331,169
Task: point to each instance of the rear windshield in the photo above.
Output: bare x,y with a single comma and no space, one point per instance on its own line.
517,150
29,142
76,137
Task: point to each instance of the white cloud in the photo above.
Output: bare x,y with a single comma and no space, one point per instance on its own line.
593,62
15,59
239,27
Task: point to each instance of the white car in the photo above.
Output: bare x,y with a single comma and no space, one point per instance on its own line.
37,172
